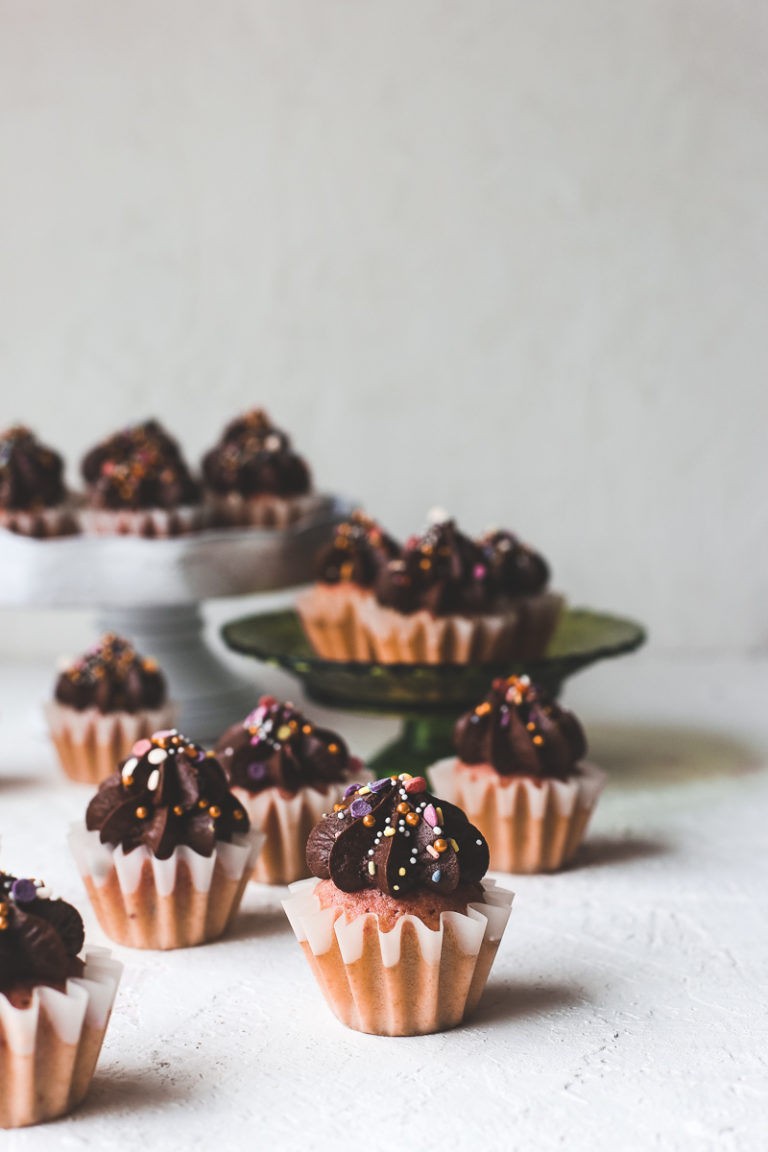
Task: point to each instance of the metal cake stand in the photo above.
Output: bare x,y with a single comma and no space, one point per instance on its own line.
150,591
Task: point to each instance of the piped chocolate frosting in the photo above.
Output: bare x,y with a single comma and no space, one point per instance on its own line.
441,571
254,458
112,677
39,937
168,792
394,836
139,467
513,569
357,553
520,731
277,747
31,475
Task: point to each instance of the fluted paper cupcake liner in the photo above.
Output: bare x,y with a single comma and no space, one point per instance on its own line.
90,744
286,823
144,902
330,614
48,1050
531,825
265,511
41,523
520,632
149,522
409,981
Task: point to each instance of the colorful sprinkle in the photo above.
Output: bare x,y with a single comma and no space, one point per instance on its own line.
401,871
154,779
371,867
430,815
369,821
157,755
352,788
380,785
432,852
412,818
389,831
417,784
453,844
436,875
24,890
440,845
359,808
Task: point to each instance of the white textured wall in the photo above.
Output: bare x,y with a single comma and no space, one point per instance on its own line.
504,256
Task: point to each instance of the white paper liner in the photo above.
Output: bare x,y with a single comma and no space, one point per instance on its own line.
530,825
265,511
521,631
151,522
90,744
41,523
375,983
330,615
286,823
135,895
48,1050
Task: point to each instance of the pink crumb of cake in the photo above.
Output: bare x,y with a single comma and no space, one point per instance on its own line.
421,902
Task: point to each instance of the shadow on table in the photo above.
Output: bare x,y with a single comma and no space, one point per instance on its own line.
521,999
600,850
253,923
133,1090
638,755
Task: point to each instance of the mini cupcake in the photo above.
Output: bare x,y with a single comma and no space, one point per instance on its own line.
346,571
286,772
451,600
54,1006
400,928
167,849
104,702
520,774
33,498
254,478
138,484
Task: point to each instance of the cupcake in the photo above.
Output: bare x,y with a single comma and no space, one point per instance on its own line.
33,498
139,484
452,600
104,702
286,772
521,776
54,1006
399,927
346,571
254,478
166,850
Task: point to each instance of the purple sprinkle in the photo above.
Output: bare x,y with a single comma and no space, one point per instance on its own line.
504,719
200,754
379,785
24,890
257,771
479,571
255,740
359,808
352,788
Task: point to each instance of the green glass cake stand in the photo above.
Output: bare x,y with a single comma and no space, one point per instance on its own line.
428,697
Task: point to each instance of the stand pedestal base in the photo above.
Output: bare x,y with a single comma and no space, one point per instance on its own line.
210,697
423,741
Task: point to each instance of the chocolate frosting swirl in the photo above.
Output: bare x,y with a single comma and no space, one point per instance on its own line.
520,731
112,677
513,568
253,458
357,553
277,747
441,571
394,836
31,475
168,792
39,937
139,467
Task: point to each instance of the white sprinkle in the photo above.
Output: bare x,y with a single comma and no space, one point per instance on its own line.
406,833
437,516
157,755
479,842
395,887
154,779
340,815
387,821
437,830
370,851
129,766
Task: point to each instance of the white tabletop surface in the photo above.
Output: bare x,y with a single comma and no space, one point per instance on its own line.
626,1007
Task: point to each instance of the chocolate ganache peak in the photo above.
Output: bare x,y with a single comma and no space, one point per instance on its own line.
31,475
39,937
253,457
139,467
357,553
276,746
168,792
520,731
112,677
513,568
441,571
394,836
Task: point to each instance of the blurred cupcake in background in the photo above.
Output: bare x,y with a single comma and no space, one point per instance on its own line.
104,702
253,477
166,850
138,484
346,572
33,498
287,773
521,776
454,600
54,1006
399,926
